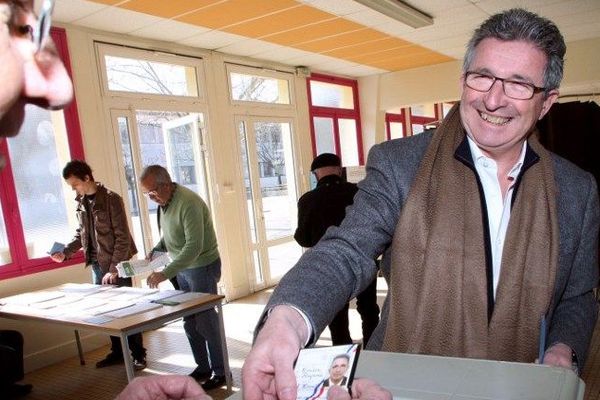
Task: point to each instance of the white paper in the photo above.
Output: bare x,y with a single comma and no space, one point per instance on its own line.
127,269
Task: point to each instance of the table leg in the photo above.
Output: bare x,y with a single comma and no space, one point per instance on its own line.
224,347
79,347
127,357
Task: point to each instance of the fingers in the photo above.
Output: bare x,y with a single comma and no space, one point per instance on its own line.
268,372
559,355
369,389
337,393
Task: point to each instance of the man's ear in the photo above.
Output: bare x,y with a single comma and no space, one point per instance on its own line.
550,99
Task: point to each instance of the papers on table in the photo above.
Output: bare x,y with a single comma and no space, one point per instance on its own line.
131,268
92,303
187,296
27,299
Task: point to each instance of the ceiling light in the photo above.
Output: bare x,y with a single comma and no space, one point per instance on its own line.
399,11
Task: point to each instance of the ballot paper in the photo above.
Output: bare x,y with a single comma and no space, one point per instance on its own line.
319,368
127,269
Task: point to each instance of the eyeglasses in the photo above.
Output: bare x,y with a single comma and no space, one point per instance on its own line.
152,192
513,89
41,31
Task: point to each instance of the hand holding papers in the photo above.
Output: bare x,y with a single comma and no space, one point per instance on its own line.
136,267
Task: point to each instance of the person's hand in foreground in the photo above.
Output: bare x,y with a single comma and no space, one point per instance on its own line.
362,389
163,387
559,355
268,372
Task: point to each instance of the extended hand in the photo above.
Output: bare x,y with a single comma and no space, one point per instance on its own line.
163,387
361,389
268,371
155,278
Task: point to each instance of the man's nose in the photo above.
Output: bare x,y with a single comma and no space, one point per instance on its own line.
47,83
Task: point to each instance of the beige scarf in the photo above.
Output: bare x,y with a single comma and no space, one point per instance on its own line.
438,284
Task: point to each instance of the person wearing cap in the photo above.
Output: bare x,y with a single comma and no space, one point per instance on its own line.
325,206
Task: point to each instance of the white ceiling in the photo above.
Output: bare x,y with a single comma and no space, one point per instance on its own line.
454,21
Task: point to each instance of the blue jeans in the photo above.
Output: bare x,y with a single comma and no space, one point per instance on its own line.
202,329
136,341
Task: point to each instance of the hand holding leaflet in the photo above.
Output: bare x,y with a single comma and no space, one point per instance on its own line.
131,268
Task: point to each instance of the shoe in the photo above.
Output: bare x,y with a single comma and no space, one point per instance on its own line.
215,381
17,390
139,363
110,359
200,376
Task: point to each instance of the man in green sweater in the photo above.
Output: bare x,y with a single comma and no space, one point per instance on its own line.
189,238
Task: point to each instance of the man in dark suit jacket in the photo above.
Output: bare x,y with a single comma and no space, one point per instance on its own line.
488,237
325,206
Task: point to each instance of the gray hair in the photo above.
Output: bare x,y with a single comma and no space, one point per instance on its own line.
346,356
520,24
160,174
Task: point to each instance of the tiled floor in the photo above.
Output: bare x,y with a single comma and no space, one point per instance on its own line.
168,353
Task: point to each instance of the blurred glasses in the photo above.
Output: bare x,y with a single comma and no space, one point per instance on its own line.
42,30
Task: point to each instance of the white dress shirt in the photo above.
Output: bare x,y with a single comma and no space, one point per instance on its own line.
498,209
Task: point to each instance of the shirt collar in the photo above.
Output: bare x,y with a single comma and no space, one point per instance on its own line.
478,156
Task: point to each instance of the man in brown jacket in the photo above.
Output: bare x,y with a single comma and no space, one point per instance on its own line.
104,235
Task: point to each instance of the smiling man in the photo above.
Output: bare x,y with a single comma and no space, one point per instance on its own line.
488,238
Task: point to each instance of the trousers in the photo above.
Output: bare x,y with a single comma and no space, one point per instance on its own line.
202,329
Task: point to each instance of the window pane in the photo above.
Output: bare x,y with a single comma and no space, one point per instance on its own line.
331,95
348,142
141,76
416,129
132,189
277,185
423,110
396,130
4,248
46,204
246,170
245,87
324,135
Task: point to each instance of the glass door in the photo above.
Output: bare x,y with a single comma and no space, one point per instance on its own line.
171,139
267,162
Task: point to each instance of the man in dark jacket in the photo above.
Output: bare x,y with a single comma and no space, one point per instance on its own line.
104,235
319,209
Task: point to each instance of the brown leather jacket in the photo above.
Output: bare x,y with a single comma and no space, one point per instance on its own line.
114,242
